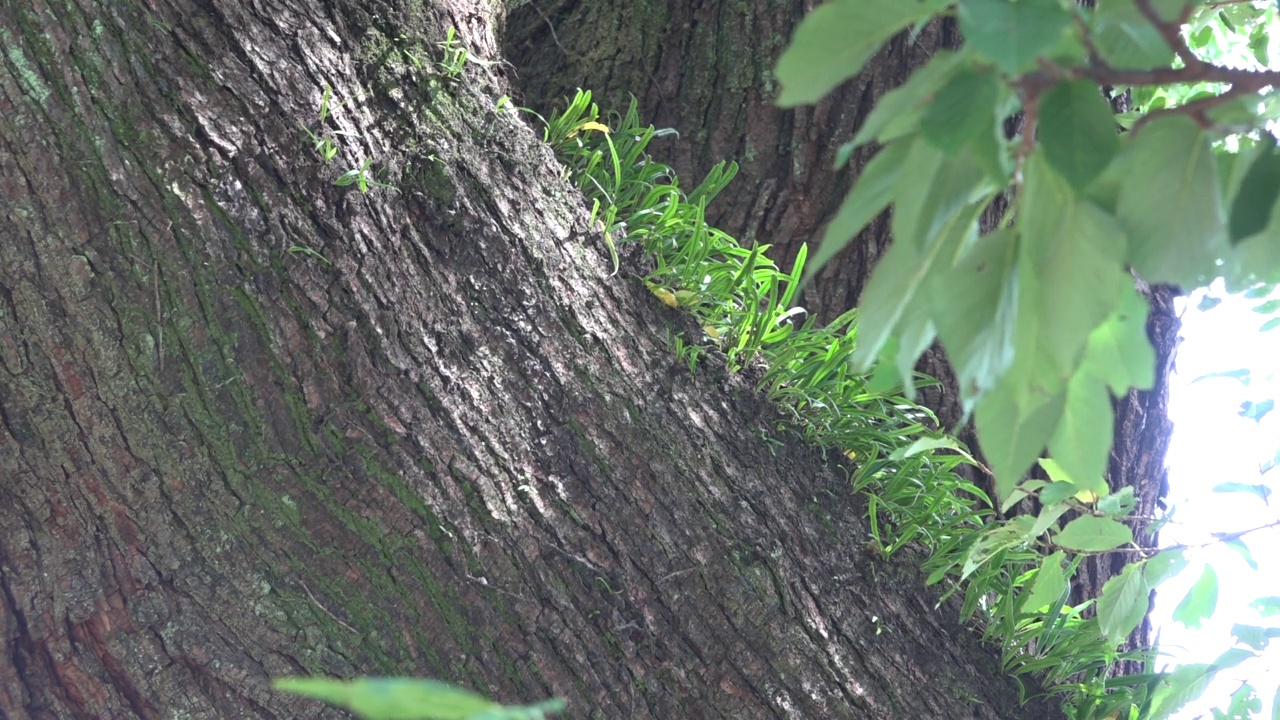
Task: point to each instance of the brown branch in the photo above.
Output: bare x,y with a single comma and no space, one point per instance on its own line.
1171,31
1196,109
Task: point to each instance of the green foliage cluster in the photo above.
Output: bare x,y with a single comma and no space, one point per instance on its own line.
1043,315
907,474
743,303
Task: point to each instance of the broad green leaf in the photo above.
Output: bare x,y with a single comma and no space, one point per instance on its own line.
898,112
962,109
916,332
974,306
1077,131
1163,566
1123,602
1268,606
925,444
869,197
834,41
1013,34
1171,204
1184,684
1234,166
933,188
1126,40
1244,704
892,289
1118,352
1093,534
1021,493
1254,204
1258,489
1200,600
936,211
1057,491
1082,442
409,699
1049,584
995,540
1074,253
1048,517
1255,637
1118,504
1013,427
1240,548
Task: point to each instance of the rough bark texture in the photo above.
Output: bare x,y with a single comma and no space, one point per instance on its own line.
705,67
450,447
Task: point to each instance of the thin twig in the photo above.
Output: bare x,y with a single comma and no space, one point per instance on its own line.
326,610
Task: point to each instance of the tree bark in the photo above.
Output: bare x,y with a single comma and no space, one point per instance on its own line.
254,424
705,68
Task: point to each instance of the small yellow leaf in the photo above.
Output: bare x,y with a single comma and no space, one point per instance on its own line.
666,296
852,454
711,332
595,126
686,297
1087,496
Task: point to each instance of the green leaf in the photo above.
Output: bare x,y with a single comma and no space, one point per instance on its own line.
1126,40
1258,489
995,540
1271,324
1093,534
1058,491
932,190
1245,703
1073,253
869,197
1049,585
931,221
1123,603
1013,426
925,444
1255,637
1118,504
1082,442
1253,207
1012,34
1048,517
409,699
834,41
1184,684
1077,131
1166,564
1240,548
1268,606
974,307
1118,352
1200,600
898,112
964,108
1171,204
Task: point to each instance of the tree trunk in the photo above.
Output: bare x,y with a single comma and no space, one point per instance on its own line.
705,68
254,424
